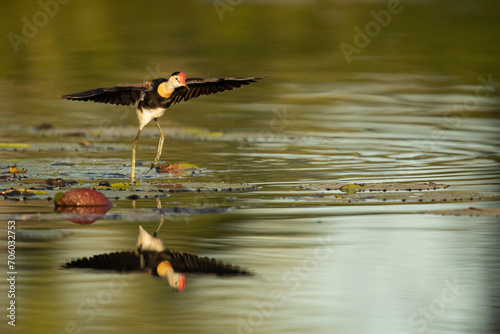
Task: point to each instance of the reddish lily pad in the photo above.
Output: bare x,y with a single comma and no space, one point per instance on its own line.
84,206
177,169
82,197
84,215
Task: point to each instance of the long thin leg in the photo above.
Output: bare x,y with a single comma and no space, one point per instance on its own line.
134,148
162,216
160,146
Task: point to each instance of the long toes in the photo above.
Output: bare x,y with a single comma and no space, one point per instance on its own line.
153,165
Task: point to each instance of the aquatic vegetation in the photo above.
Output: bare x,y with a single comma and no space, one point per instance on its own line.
83,197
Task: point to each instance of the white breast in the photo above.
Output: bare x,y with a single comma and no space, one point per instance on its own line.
146,115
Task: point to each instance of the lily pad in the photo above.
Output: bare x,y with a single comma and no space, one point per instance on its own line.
58,183
82,197
471,211
177,169
14,145
208,186
116,186
24,192
360,187
38,234
15,170
84,215
397,197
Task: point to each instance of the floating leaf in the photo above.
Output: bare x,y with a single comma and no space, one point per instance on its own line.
84,215
15,170
117,186
83,197
350,188
57,197
175,167
19,192
471,211
14,145
59,183
44,126
84,206
200,132
359,187
397,197
46,234
122,186
200,186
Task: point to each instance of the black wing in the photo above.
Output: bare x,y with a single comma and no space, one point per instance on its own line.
208,86
181,263
192,264
125,94
118,261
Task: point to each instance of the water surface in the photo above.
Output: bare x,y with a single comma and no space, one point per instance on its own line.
419,103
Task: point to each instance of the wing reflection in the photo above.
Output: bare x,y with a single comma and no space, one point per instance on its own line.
154,259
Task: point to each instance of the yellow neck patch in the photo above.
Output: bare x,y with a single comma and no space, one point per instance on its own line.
164,269
164,90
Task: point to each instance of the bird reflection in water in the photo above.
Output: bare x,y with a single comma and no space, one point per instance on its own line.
154,259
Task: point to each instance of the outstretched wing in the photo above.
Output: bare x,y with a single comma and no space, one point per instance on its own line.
181,262
208,86
125,94
118,261
192,264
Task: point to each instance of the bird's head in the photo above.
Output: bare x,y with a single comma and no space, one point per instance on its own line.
175,280
178,79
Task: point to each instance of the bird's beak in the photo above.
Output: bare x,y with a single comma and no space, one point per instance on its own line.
183,82
182,283
175,280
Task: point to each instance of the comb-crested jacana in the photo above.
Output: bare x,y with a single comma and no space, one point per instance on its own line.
155,96
154,259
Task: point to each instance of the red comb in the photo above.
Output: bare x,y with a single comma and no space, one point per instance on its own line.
182,77
182,283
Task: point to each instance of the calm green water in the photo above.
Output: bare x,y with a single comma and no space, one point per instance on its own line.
412,98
